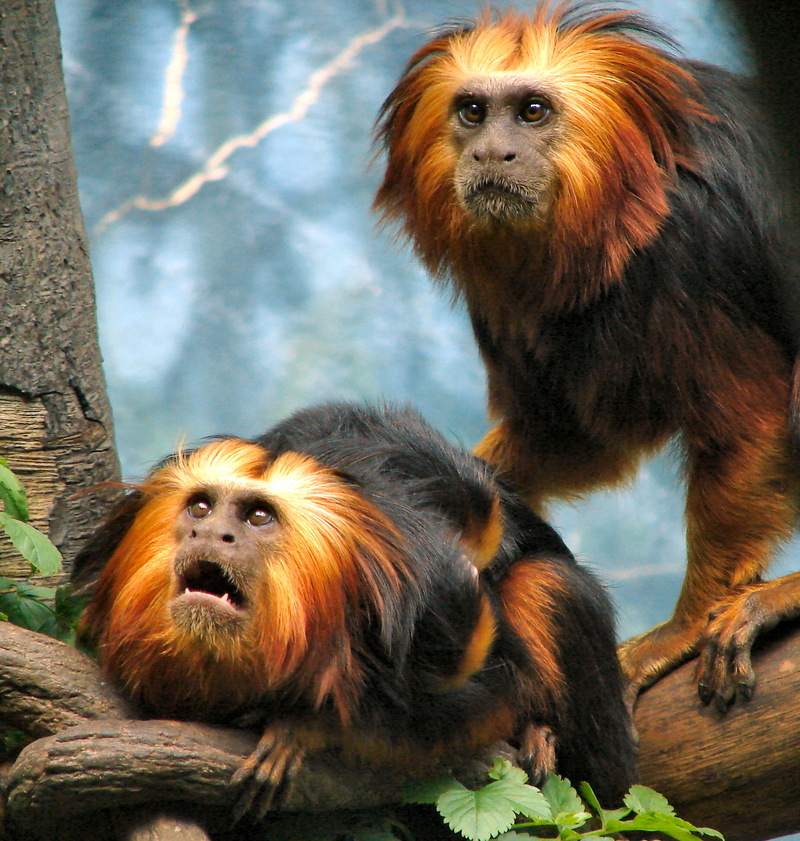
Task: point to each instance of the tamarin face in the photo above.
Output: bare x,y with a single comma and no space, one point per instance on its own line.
550,124
243,571
223,537
503,130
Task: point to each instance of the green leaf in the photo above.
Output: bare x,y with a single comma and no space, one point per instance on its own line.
69,605
615,814
502,769
590,797
706,830
665,824
568,810
32,545
13,740
561,796
651,823
28,613
477,815
605,814
641,799
35,591
428,791
12,494
9,599
526,800
21,604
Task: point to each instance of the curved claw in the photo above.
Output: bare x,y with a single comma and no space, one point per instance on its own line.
265,776
724,671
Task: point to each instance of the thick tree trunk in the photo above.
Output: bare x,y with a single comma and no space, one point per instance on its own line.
55,421
110,775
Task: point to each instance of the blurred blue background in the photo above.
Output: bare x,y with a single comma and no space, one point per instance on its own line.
226,172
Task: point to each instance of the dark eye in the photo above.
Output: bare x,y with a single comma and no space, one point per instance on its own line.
259,515
534,111
471,112
199,507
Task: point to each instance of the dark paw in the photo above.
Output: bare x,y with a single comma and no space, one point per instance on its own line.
537,752
265,777
724,671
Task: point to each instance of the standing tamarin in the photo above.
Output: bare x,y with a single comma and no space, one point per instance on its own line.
604,210
357,582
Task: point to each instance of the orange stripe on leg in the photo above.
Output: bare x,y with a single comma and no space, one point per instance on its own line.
529,593
476,651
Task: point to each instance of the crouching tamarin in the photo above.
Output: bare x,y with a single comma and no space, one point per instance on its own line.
607,213
357,582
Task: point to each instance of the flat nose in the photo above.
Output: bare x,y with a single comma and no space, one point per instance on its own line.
495,146
493,153
213,528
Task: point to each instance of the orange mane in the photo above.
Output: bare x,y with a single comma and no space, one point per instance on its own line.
337,558
625,107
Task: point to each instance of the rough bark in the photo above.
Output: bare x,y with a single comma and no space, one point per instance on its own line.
180,762
55,422
730,772
47,686
735,772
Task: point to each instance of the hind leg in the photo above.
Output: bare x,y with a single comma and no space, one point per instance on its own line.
740,506
574,712
542,465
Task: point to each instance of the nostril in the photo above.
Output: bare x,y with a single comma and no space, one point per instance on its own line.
228,538
509,157
193,533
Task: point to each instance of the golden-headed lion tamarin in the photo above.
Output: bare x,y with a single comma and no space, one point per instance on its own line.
604,209
357,582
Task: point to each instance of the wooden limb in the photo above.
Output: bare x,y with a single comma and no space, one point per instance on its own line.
55,419
735,772
117,764
46,685
99,760
732,772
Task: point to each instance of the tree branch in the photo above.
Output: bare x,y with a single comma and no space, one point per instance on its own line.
79,770
733,772
729,772
46,685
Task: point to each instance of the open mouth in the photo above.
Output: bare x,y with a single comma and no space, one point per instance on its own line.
202,579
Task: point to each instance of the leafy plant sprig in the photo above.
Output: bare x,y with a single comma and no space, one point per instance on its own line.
509,809
48,610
